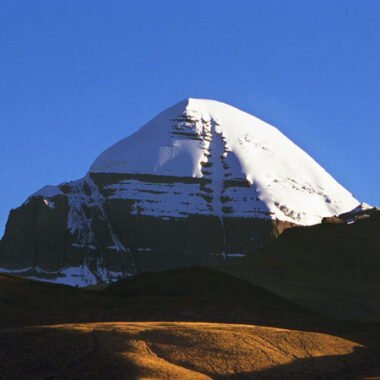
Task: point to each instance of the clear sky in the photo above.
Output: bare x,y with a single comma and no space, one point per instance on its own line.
78,75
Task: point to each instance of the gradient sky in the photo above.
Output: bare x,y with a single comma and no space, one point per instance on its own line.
78,75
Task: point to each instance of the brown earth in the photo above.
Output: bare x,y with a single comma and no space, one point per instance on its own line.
119,333
178,350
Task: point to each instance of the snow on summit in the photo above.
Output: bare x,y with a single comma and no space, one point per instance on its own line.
200,138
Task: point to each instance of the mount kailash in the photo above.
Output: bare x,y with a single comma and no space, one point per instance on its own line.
201,183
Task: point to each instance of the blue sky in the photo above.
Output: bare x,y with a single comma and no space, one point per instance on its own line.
77,75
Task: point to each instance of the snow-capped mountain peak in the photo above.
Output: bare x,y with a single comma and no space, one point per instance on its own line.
201,183
208,139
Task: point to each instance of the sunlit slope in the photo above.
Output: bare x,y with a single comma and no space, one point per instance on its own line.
177,351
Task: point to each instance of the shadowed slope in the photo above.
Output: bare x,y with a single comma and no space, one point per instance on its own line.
331,268
189,294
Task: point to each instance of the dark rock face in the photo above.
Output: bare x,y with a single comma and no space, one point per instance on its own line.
81,234
35,234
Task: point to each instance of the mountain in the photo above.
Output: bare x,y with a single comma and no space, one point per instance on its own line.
200,183
332,267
